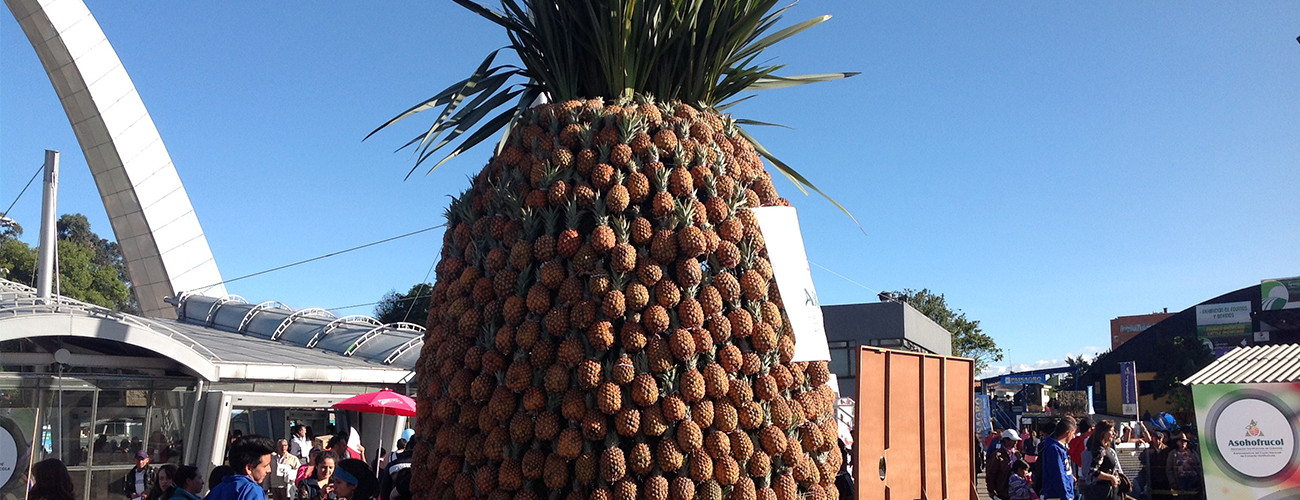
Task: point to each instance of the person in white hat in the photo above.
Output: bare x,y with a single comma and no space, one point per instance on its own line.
998,473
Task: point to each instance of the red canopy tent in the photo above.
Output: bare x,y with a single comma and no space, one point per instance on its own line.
385,402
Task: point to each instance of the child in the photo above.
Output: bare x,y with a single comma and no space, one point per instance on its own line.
1019,485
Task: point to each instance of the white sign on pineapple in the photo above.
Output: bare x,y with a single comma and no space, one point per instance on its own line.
780,227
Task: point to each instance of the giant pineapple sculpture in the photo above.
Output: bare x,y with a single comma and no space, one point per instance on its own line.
604,324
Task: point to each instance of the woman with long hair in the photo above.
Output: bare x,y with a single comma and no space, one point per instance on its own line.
187,484
163,479
50,481
1102,474
317,486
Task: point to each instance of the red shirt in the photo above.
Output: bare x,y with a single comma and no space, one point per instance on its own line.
1077,445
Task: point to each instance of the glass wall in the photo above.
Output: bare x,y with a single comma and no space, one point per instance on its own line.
120,425
65,428
98,425
167,416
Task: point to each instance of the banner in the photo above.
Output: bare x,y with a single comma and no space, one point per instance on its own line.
1230,319
1281,293
1249,436
983,416
17,431
780,227
1024,379
1128,386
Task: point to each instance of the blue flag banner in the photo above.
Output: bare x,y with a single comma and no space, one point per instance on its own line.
983,415
1128,387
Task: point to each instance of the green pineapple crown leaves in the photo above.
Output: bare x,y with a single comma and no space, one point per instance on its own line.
572,218
694,51
622,229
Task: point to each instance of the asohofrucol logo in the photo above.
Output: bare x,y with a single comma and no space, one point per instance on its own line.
1252,431
1252,438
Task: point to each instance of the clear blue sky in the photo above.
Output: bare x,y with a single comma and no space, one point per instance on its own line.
1046,165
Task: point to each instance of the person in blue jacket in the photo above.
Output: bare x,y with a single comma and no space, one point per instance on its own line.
250,456
1058,481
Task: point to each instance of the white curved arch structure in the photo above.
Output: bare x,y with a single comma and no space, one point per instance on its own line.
152,218
27,327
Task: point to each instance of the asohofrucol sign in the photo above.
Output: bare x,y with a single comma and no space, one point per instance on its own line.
780,227
16,424
1230,319
8,455
1281,293
1249,436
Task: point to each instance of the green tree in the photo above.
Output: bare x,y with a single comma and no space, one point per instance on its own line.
1180,357
412,306
9,229
1080,364
91,269
17,261
968,339
75,229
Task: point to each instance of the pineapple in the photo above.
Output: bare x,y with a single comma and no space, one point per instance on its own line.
612,465
701,468
547,426
640,460
636,296
653,422
718,444
656,488
569,444
744,489
569,240
628,422
692,385
715,380
674,410
602,237
623,372
742,447
669,456
594,426
726,470
618,197
689,436
759,464
609,248
589,374
609,398
625,489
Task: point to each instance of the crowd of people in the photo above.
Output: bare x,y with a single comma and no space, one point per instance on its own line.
1071,459
258,468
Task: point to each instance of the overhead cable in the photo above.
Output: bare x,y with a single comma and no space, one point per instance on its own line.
331,254
20,193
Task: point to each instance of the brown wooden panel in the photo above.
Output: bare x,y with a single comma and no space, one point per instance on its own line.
868,430
903,429
916,411
959,420
933,428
